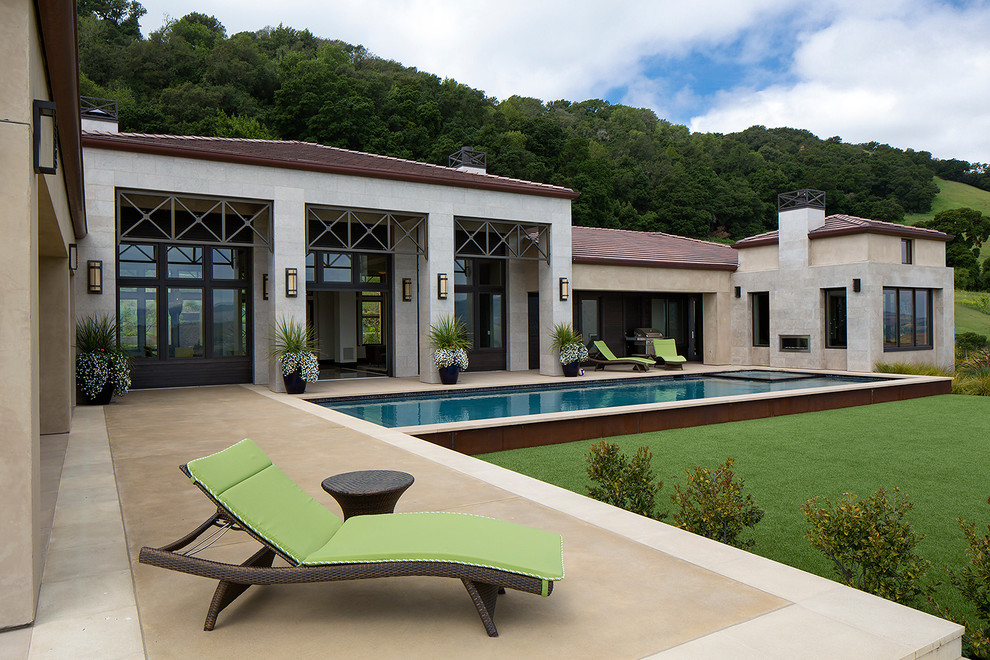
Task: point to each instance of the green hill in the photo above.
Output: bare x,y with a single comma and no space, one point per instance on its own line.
953,195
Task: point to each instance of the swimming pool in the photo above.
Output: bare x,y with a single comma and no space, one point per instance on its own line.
411,410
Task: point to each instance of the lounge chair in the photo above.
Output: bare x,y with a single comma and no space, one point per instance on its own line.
256,497
608,357
666,354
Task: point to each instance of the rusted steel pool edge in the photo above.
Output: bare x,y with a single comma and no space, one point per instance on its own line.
507,433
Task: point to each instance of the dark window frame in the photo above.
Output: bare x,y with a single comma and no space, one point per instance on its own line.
897,345
760,311
907,250
835,329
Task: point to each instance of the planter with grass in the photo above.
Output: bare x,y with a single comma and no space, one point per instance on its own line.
294,346
570,348
103,370
449,338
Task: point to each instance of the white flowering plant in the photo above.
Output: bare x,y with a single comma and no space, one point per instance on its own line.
99,359
568,344
449,337
294,345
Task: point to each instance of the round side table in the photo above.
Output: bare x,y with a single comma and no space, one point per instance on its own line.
367,492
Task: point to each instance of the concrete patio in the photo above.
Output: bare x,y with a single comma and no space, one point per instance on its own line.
634,588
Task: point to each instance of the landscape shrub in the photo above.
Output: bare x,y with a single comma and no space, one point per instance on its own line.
622,481
973,582
971,341
871,544
712,505
919,369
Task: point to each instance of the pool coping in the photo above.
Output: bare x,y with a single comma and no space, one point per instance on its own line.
501,433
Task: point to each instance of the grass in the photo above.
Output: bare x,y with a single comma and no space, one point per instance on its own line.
969,319
954,195
933,448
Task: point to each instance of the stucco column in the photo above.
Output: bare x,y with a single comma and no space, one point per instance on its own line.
553,310
289,251
440,259
57,375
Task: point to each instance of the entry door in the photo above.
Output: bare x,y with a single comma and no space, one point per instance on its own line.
479,301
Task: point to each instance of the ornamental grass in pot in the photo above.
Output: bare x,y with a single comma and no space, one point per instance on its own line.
570,348
449,337
294,345
103,369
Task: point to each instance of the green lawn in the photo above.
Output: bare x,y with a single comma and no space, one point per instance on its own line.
935,449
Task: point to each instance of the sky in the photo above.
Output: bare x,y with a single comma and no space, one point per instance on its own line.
909,73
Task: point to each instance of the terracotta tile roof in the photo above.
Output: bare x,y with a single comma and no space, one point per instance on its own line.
595,245
841,225
293,154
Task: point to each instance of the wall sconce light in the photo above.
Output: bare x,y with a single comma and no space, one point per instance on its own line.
442,286
264,286
73,257
406,289
291,283
94,276
738,292
857,285
45,129
565,289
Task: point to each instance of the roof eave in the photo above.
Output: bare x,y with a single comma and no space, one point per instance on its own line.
610,261
905,231
122,144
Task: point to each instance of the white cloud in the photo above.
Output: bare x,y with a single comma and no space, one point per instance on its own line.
919,78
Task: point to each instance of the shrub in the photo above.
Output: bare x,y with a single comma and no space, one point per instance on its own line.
971,341
870,544
977,364
624,482
973,582
919,369
712,505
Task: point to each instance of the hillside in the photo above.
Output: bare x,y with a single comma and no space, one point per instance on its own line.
953,195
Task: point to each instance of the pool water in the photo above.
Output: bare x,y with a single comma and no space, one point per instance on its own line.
419,409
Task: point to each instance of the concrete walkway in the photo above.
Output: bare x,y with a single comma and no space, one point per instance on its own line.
634,587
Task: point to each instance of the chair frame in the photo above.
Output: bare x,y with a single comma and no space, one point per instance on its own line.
638,364
483,584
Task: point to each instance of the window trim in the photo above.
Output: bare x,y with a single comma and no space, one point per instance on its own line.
829,294
907,250
915,346
755,298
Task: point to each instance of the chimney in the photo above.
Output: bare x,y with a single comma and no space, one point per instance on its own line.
468,160
98,114
798,212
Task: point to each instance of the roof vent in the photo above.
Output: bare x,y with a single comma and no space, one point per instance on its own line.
103,111
469,160
801,199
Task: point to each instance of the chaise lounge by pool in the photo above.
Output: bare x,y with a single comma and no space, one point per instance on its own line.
490,419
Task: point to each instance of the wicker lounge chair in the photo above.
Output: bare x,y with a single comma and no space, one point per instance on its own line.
608,357
666,354
256,497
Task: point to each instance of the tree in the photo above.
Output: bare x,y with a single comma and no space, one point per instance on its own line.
971,229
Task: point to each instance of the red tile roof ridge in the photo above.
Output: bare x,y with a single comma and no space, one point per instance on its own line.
440,168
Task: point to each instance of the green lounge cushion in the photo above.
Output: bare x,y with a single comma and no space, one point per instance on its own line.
667,350
450,537
244,480
609,355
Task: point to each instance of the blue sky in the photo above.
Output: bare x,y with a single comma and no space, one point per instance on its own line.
911,73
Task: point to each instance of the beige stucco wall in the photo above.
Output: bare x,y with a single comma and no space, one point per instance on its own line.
34,346
760,257
875,248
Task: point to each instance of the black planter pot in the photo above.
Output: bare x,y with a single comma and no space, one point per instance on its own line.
571,369
102,398
448,375
294,383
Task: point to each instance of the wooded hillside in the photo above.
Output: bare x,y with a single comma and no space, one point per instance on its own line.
633,169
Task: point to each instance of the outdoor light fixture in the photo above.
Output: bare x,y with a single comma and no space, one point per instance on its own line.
45,129
441,286
406,289
565,289
291,283
94,276
738,292
73,257
857,285
264,286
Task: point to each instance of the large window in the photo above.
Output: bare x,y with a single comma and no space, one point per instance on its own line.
835,318
907,315
761,318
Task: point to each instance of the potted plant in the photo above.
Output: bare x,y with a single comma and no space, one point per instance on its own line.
102,367
293,345
570,347
449,337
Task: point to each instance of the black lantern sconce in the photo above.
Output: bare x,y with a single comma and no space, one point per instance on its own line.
857,285
406,289
73,257
738,292
264,286
565,289
94,276
442,286
291,283
45,129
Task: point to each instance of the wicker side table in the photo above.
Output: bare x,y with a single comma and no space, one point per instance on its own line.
367,492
